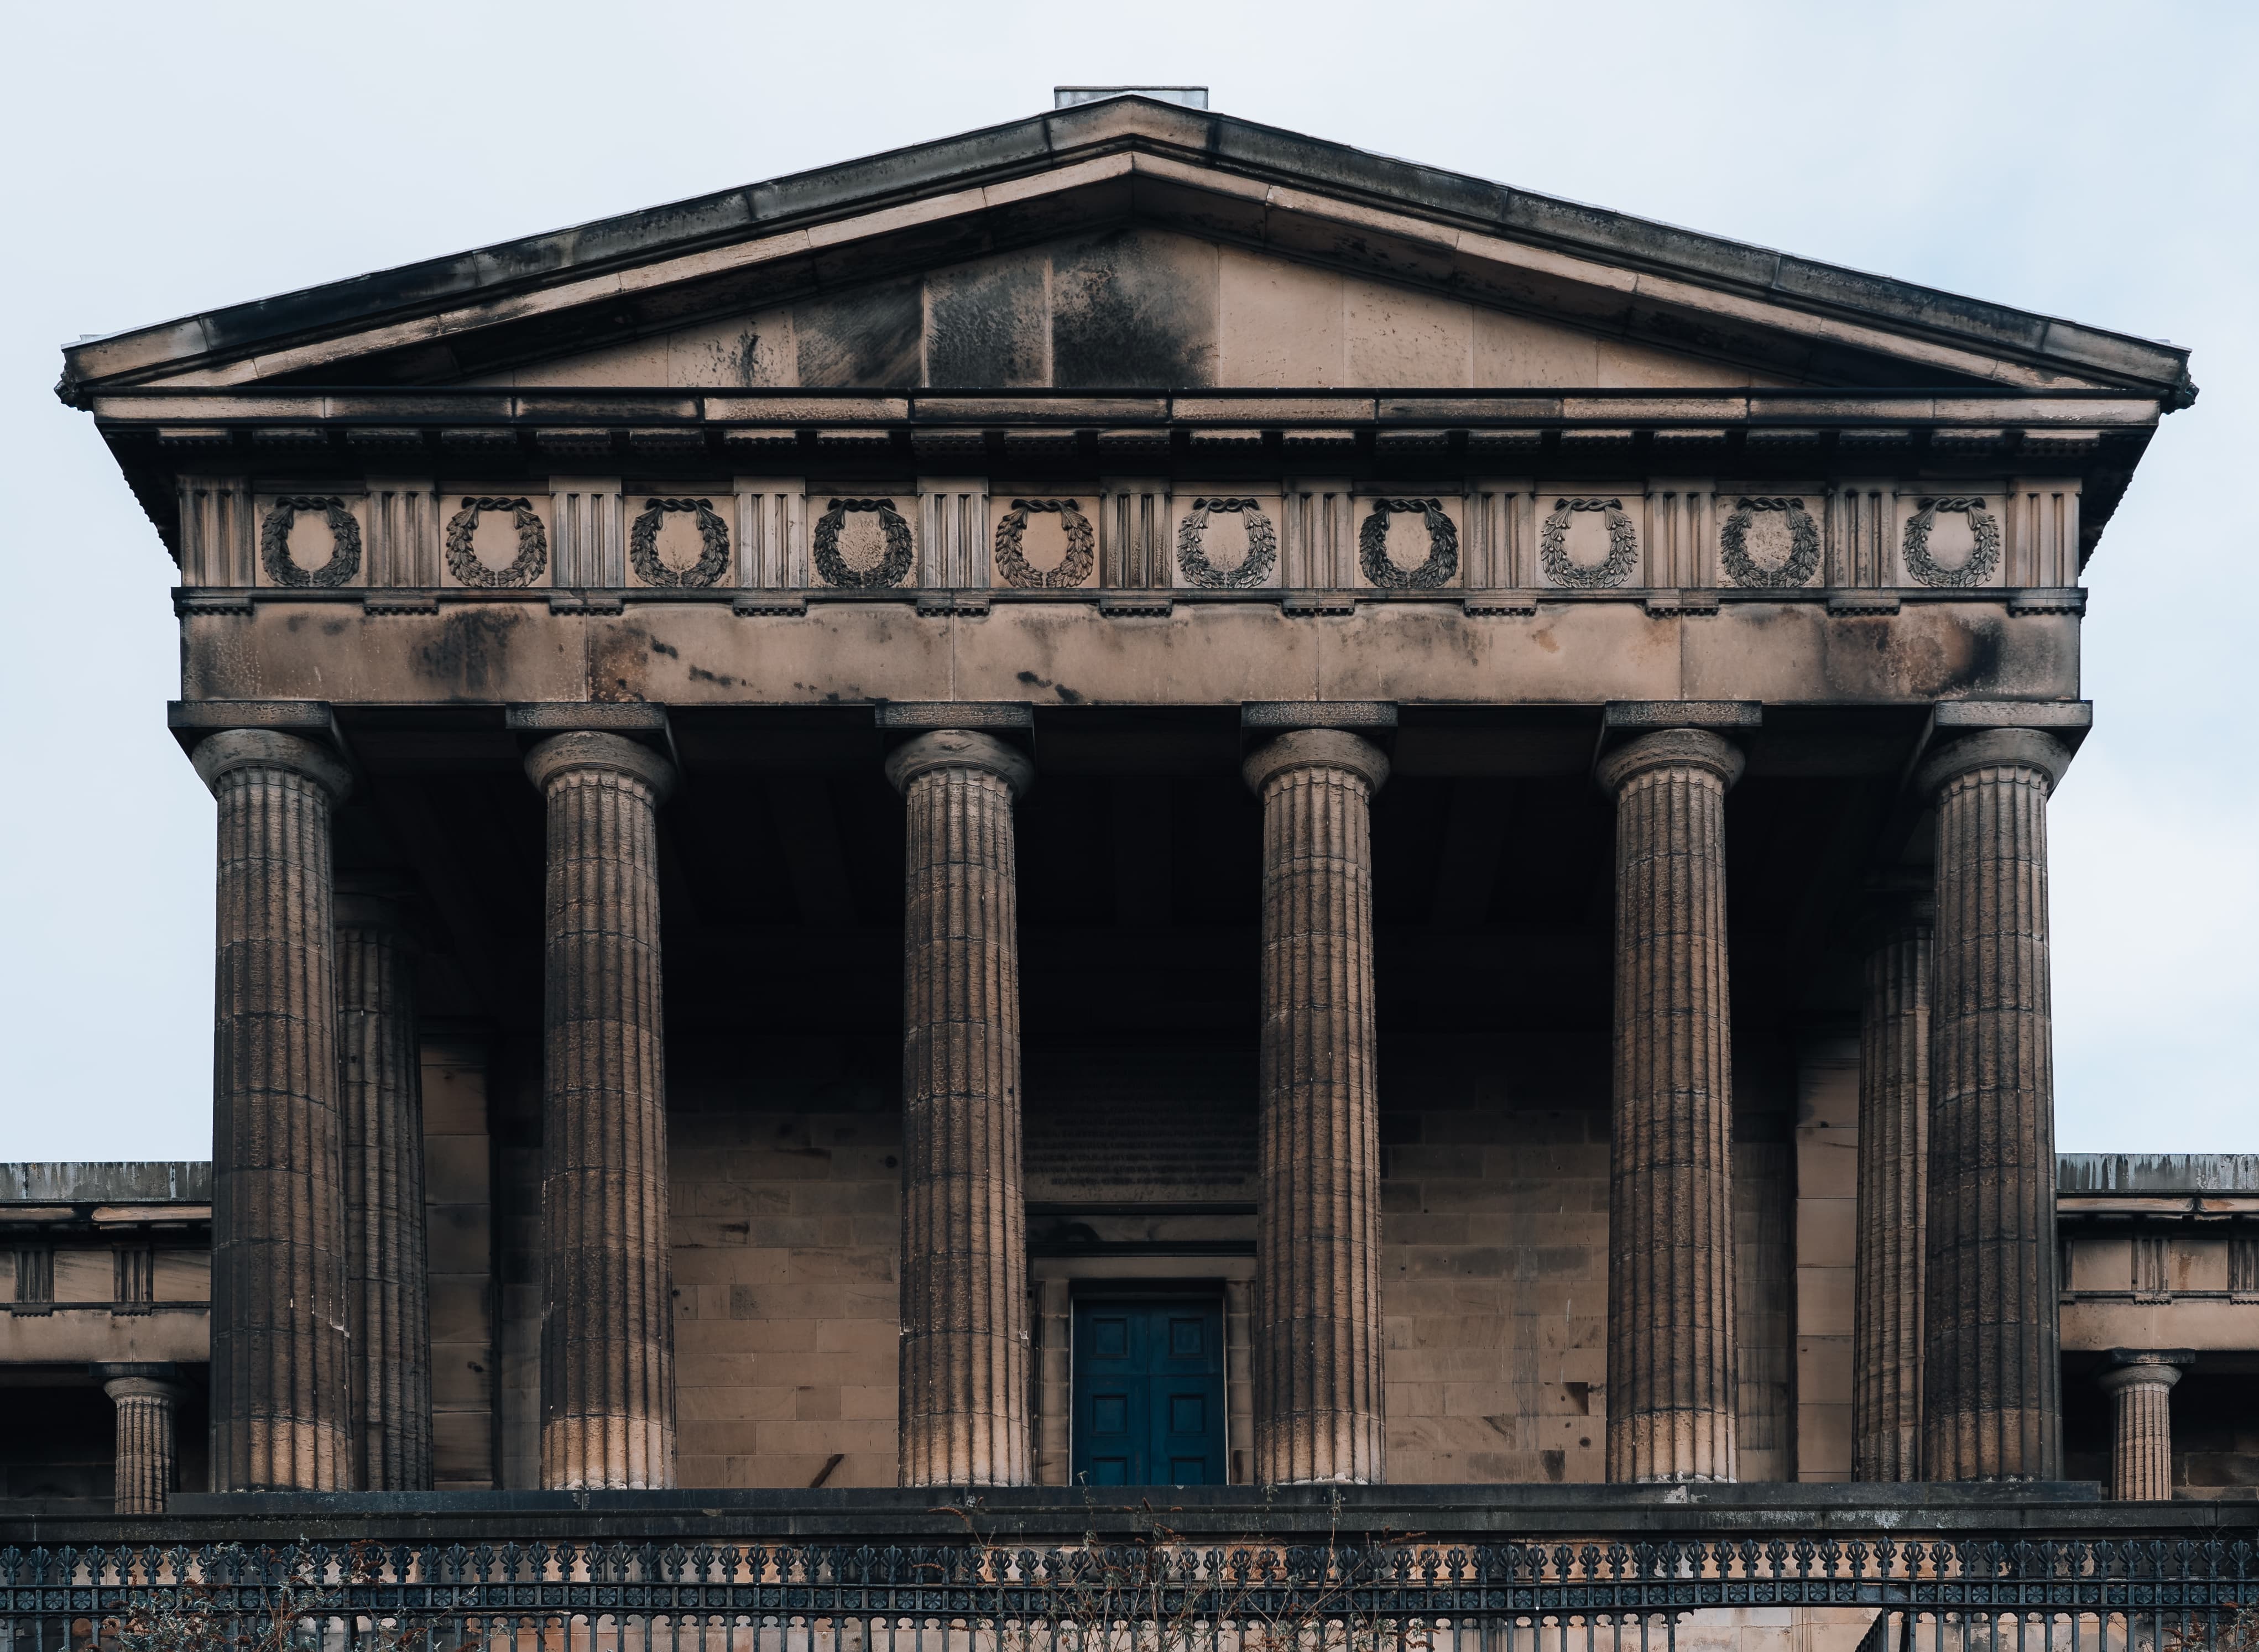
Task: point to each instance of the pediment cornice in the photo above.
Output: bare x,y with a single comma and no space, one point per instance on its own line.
1127,159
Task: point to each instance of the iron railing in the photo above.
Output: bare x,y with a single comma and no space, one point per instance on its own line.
1157,1595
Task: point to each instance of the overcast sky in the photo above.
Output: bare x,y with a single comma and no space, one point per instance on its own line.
2091,161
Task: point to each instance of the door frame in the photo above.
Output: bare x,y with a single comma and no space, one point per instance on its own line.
1056,1281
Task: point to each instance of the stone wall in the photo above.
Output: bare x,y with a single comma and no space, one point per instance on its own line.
1494,1199
785,1178
459,1204
786,1195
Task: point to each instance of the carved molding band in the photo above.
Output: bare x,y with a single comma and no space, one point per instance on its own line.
1803,544
1253,569
890,569
1073,568
533,545
714,538
1623,546
1443,563
274,543
1984,527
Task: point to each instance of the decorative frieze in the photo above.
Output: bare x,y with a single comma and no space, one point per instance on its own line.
1768,542
698,565
1949,539
1588,543
216,531
1432,561
953,529
1065,563
2042,530
1676,543
1133,534
401,520
590,537
1318,519
310,540
1682,536
1228,541
1498,536
495,541
877,552
771,533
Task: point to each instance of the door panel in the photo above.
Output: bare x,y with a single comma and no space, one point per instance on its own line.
1149,1390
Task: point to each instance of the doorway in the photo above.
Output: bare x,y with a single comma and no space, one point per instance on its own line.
1148,1406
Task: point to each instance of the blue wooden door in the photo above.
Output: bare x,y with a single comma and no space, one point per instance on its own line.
1149,1390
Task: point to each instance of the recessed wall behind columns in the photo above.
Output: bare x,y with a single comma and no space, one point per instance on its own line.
785,1198
785,1157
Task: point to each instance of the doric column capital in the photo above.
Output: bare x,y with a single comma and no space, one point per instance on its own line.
2136,1367
586,751
123,1388
1670,749
961,749
1316,749
221,754
1993,749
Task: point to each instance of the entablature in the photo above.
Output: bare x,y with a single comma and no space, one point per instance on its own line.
1316,498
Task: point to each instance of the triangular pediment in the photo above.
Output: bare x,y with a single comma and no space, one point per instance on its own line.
1133,306
1118,245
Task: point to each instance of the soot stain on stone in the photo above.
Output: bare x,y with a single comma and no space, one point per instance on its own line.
869,336
987,326
668,649
1133,308
699,674
471,653
1066,695
619,665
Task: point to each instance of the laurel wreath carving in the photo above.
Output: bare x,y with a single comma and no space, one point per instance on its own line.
1074,567
1253,569
1623,546
1803,544
713,537
533,545
1983,558
890,569
274,543
1442,563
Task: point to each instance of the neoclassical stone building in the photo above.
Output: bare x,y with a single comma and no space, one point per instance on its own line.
1132,800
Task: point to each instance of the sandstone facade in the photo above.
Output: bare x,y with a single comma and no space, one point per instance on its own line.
959,614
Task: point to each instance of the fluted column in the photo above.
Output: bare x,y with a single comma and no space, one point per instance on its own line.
607,1324
1318,1336
1892,1202
147,1465
382,1096
1991,1381
965,1354
2140,1384
280,1350
1672,1362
